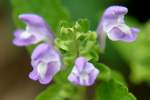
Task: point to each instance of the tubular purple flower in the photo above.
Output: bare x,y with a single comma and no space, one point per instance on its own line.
112,24
36,31
46,62
83,73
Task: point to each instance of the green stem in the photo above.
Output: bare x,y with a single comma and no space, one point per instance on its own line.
81,93
77,48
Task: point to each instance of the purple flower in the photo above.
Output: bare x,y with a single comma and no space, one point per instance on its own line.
112,23
46,63
83,73
36,31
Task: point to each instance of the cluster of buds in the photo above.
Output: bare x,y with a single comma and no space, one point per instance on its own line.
46,60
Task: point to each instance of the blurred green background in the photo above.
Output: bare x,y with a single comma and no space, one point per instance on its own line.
133,59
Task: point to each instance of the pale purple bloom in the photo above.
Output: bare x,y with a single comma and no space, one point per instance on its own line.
112,23
83,73
36,31
45,62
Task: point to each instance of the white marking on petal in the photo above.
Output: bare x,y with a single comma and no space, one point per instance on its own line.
25,35
83,77
124,28
42,69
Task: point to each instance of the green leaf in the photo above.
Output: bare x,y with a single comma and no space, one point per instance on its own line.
112,85
137,55
118,76
105,72
58,92
113,90
140,66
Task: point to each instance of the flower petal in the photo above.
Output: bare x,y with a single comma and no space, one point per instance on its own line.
32,19
37,26
93,74
80,63
116,34
83,73
33,75
20,41
40,51
46,63
115,11
36,31
73,78
52,69
46,80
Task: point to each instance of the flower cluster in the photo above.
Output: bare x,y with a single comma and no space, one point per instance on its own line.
46,60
